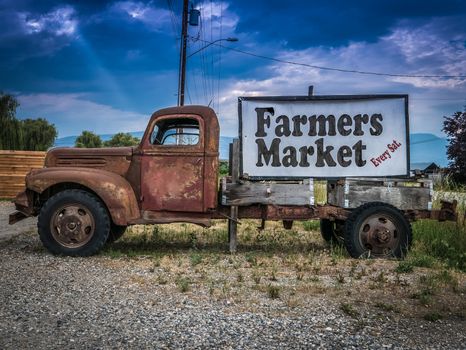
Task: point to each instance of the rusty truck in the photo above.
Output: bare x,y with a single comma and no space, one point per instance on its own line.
86,198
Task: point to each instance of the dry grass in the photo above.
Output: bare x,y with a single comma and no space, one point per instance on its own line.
293,268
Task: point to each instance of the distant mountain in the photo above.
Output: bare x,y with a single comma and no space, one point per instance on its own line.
425,148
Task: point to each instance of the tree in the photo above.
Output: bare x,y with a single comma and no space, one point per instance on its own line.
88,140
455,128
10,128
28,134
38,134
122,140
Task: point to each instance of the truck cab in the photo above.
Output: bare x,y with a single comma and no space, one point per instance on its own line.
178,158
85,197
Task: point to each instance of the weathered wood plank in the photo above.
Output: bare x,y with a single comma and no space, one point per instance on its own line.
353,193
248,193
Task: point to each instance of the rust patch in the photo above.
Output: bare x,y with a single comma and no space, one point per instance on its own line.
116,160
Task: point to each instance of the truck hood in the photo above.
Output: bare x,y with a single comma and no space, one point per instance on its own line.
116,159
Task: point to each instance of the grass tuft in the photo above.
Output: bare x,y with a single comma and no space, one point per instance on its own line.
183,284
432,316
273,292
349,310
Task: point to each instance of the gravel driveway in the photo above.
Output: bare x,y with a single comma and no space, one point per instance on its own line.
99,302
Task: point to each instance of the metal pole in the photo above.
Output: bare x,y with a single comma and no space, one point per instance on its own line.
184,38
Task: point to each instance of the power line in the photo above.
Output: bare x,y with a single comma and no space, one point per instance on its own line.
339,69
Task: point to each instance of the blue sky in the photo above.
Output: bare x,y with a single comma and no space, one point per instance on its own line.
106,66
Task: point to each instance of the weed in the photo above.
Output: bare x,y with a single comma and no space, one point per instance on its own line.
112,253
314,279
251,259
161,280
337,252
445,277
299,276
340,278
354,265
193,239
239,277
361,274
311,225
273,292
422,260
432,316
195,259
349,310
183,284
404,266
424,296
156,262
380,278
273,275
256,277
385,307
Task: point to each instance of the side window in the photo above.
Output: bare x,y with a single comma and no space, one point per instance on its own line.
179,131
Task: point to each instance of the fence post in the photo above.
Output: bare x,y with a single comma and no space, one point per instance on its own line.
233,220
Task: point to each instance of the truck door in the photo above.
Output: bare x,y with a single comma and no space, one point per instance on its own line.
172,165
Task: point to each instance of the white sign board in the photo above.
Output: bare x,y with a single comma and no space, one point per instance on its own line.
324,136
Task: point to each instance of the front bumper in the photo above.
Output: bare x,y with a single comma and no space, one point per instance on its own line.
24,207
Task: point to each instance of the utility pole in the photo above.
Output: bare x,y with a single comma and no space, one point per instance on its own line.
184,39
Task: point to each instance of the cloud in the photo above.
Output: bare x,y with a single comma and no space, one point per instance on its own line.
153,17
72,113
60,22
435,47
218,15
27,34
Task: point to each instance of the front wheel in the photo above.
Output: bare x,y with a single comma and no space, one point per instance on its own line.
377,230
73,223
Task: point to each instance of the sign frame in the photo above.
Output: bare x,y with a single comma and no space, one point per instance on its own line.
405,97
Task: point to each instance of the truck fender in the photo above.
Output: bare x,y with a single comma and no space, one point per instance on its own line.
114,190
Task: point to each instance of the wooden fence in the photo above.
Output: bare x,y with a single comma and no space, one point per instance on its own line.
14,165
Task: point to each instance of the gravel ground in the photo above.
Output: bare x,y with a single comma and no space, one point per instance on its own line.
58,302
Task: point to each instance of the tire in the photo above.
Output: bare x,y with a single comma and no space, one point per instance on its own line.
116,231
73,223
332,231
377,230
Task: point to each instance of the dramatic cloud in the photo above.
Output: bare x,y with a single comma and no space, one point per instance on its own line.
155,18
218,15
60,21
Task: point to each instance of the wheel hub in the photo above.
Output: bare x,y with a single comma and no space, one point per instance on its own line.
379,235
383,235
72,225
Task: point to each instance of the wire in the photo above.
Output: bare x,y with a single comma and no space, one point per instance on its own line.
339,69
219,59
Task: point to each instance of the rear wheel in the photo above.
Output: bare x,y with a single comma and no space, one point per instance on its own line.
74,223
332,231
377,230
